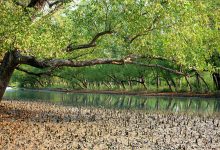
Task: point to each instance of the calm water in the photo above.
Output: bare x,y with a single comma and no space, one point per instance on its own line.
175,104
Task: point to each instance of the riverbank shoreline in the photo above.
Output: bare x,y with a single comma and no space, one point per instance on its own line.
135,93
34,125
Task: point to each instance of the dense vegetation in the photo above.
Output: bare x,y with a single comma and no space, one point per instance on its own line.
126,77
162,43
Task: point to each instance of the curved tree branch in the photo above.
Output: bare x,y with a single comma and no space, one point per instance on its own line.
92,43
161,67
68,63
54,63
46,73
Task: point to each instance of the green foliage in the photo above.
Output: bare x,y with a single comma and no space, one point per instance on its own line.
184,32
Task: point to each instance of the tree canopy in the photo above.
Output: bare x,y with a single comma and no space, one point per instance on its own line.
56,33
183,31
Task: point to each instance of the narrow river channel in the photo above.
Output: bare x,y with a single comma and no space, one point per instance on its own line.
174,104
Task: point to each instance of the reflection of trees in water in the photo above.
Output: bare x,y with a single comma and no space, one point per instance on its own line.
169,104
146,103
121,101
217,105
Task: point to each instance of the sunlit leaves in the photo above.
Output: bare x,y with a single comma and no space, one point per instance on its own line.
184,31
12,24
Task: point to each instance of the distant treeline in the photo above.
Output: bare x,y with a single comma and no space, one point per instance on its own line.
113,77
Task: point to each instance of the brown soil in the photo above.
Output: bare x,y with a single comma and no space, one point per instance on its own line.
33,125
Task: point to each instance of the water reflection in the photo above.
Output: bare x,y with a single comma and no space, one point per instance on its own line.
209,105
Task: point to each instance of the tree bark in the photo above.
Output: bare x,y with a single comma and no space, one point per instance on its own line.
190,86
216,79
174,84
157,81
203,80
168,83
197,81
7,68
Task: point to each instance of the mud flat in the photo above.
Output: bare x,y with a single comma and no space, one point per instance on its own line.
34,125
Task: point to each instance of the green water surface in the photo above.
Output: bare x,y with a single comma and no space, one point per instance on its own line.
174,104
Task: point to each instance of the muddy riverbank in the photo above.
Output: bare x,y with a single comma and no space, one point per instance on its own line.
34,125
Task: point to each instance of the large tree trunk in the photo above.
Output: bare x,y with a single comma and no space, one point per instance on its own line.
7,68
216,79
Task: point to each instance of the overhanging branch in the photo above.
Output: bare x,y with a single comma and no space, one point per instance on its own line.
92,43
46,73
55,63
161,67
32,61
